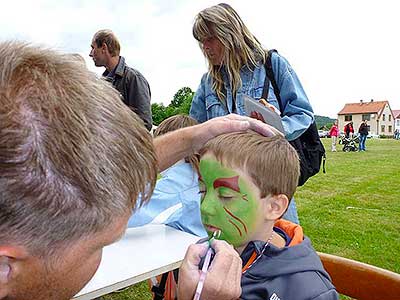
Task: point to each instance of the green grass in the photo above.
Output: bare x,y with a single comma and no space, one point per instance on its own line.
368,181
369,232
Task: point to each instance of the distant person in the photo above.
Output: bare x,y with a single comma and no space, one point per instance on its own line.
74,159
363,131
246,183
396,135
334,133
349,130
131,84
236,67
176,199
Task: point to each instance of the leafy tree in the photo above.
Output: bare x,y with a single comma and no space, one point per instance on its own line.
180,104
182,100
159,112
323,122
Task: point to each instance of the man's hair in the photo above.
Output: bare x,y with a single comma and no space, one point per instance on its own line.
107,37
178,122
241,47
271,162
73,157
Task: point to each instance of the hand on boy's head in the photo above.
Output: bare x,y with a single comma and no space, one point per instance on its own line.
223,278
230,123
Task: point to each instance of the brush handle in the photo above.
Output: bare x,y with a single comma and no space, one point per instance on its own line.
203,274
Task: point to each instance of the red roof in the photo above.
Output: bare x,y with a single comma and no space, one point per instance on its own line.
363,107
396,113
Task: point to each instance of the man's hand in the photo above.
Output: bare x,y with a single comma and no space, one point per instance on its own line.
180,143
227,124
223,276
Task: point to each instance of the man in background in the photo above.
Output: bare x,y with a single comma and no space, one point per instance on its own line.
131,84
363,131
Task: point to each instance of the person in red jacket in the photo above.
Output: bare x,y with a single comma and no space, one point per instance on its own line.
349,130
334,133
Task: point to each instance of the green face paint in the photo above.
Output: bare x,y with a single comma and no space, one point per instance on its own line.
229,203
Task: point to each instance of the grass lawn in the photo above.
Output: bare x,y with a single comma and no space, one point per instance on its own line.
352,211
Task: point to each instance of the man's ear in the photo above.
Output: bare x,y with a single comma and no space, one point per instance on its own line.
276,206
9,255
104,47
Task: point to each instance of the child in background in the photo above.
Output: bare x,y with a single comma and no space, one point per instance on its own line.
246,181
175,200
334,133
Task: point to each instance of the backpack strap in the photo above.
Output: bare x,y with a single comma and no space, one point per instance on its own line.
270,77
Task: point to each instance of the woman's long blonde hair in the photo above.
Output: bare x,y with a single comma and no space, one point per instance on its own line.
241,47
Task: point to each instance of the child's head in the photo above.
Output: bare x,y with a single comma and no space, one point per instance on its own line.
247,181
174,123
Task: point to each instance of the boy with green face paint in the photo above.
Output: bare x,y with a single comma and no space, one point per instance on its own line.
246,181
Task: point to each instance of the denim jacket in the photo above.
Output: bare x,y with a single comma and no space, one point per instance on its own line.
297,113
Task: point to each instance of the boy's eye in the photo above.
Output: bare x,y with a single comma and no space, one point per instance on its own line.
225,194
225,198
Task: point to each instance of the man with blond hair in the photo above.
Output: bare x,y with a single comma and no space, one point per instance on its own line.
131,84
73,161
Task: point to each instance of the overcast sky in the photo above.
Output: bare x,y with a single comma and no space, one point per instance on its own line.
342,50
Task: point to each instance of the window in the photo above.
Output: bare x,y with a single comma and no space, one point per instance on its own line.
390,118
390,128
382,128
366,117
383,117
348,118
397,122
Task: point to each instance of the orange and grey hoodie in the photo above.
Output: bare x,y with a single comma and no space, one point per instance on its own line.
292,272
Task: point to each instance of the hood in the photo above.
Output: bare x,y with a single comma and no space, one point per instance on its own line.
276,262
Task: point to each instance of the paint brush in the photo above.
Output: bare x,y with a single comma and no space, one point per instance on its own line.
205,267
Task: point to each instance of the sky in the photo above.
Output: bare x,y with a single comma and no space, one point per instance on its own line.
343,50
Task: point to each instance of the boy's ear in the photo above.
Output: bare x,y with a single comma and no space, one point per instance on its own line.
276,206
9,255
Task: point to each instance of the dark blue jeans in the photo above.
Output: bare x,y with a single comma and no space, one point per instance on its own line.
361,146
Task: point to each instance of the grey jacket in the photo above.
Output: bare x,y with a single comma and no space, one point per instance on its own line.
294,272
134,89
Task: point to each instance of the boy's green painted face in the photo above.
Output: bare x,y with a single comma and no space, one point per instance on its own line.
229,202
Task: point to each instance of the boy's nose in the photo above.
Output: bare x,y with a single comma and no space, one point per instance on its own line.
208,207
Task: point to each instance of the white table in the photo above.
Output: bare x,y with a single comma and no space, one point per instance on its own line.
142,253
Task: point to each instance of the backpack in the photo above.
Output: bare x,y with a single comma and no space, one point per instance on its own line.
308,146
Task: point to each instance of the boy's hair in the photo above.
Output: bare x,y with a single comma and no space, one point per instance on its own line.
271,162
72,155
178,122
109,38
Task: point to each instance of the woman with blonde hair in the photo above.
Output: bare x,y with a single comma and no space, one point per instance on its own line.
236,67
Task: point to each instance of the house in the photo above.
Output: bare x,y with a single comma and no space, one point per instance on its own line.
378,114
396,116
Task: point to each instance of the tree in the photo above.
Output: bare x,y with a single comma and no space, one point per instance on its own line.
159,113
182,100
180,104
